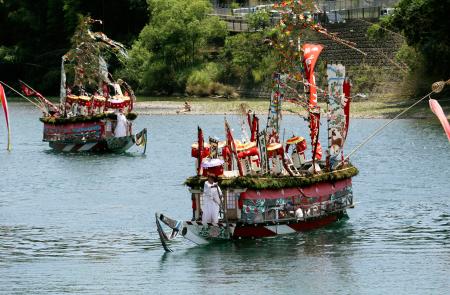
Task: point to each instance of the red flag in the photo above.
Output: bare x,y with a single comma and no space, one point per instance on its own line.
311,53
28,91
200,150
232,147
347,86
437,110
314,123
254,131
4,103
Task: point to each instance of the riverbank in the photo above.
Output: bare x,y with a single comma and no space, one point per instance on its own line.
369,109
386,108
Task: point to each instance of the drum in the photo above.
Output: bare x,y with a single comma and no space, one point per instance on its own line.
274,149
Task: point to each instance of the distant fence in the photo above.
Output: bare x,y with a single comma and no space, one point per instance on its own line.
357,13
239,23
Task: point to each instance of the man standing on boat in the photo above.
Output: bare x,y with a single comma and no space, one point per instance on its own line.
122,125
211,200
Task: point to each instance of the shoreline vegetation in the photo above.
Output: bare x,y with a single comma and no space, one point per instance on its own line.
382,108
367,109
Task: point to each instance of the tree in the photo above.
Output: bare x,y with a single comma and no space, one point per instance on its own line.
425,25
246,59
259,20
35,34
175,41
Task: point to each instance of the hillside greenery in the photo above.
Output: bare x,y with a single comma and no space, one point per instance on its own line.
176,46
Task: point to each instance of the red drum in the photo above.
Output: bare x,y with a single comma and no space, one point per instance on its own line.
99,101
274,149
248,153
301,146
82,100
118,102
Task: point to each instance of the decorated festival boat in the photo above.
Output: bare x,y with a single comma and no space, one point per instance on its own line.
270,186
95,112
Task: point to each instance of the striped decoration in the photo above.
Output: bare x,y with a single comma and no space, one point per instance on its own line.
74,148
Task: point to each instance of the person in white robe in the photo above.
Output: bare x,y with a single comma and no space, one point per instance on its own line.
211,201
121,126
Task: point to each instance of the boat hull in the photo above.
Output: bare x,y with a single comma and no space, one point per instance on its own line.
255,212
203,233
89,137
111,145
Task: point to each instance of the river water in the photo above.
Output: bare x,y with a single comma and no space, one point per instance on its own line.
84,224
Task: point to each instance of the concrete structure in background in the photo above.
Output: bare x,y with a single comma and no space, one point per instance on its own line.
323,4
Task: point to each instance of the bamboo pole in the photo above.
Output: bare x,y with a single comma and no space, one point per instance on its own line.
23,96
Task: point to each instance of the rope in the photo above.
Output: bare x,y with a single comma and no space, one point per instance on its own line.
21,95
436,88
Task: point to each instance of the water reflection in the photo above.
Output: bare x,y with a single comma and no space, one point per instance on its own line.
23,243
73,223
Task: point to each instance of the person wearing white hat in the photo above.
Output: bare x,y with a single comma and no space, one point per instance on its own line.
122,125
211,200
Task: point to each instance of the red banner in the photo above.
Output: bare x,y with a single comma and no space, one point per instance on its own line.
201,144
254,128
437,110
347,86
314,124
232,147
28,91
4,103
311,53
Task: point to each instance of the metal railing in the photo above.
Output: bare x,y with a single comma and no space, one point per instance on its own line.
239,23
356,13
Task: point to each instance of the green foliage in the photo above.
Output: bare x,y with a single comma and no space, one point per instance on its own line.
8,54
136,65
203,82
425,25
376,32
276,182
234,5
209,73
35,34
259,20
215,31
174,41
85,54
410,56
246,59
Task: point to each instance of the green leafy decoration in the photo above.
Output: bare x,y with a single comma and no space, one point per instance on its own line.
276,182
